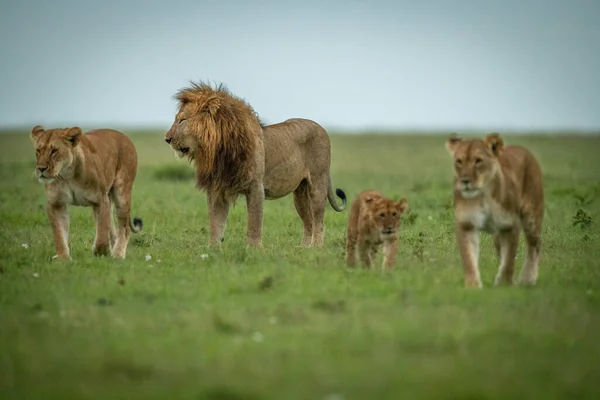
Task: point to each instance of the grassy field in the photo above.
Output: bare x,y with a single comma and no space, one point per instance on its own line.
291,323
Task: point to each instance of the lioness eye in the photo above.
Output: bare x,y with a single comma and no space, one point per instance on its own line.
53,151
394,214
181,120
37,152
458,161
478,161
382,215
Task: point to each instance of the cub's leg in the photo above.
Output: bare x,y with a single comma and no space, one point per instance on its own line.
59,220
218,209
532,226
302,204
468,244
390,250
373,253
255,201
317,190
102,218
507,245
364,251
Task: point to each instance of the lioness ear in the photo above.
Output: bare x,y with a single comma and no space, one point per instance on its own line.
452,142
72,136
402,205
36,131
495,143
212,106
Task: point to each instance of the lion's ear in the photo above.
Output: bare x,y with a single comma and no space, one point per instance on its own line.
494,143
402,205
212,106
452,143
72,136
36,131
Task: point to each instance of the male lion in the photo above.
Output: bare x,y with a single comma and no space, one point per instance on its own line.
94,170
235,155
374,220
498,190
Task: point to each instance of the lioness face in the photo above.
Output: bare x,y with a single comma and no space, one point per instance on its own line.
180,137
54,151
386,214
475,163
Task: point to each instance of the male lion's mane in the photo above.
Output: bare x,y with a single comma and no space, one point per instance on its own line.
227,129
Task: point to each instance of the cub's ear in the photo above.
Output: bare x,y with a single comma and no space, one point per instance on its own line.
369,200
452,143
402,205
494,143
212,106
72,136
36,131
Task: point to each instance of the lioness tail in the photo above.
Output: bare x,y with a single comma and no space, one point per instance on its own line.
136,225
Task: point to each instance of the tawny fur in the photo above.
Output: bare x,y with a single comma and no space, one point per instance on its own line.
497,189
91,170
374,221
235,155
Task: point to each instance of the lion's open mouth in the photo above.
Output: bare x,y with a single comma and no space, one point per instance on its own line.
184,150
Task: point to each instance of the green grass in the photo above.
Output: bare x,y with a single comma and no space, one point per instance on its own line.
291,323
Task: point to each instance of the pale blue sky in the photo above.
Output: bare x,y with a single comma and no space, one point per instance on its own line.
446,64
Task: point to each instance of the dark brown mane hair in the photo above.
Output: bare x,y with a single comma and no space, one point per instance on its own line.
228,130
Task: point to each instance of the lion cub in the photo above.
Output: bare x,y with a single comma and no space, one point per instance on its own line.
498,190
373,221
93,170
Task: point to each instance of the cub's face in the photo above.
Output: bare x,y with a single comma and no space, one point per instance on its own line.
475,162
53,151
386,214
180,136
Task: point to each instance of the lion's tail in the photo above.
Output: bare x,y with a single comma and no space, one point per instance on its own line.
340,193
136,224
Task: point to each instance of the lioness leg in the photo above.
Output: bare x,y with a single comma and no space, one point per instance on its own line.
533,229
317,190
508,243
59,220
218,209
390,250
468,244
121,198
102,218
255,201
302,204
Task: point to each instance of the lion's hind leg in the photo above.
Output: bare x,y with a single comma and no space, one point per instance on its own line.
317,190
532,227
303,207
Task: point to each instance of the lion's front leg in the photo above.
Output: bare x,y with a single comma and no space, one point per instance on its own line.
468,244
218,209
59,220
390,250
255,200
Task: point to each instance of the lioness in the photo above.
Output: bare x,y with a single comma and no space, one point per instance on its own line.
498,190
234,154
94,170
374,220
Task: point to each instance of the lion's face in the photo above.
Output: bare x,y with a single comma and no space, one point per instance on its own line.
386,214
180,136
475,163
54,151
